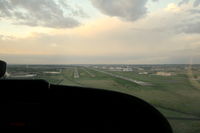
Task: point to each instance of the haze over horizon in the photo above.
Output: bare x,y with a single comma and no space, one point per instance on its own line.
100,31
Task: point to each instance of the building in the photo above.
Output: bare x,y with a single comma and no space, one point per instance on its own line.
127,69
164,73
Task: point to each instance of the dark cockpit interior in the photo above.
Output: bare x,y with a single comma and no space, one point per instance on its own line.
37,104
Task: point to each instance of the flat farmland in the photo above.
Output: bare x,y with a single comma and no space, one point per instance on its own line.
170,91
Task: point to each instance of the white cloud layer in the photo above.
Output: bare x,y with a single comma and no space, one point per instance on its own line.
126,9
170,35
46,13
195,4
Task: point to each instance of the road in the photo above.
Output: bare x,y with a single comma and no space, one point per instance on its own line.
76,74
122,77
92,75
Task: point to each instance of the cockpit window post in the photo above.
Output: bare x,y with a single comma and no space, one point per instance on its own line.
2,69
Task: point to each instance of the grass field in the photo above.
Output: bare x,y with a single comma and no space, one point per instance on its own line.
175,96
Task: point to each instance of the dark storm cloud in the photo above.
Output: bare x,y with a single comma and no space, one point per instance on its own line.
126,9
47,13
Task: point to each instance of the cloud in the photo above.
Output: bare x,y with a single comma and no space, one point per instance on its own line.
164,36
194,11
183,2
46,13
191,28
191,22
181,19
123,43
3,37
126,9
196,3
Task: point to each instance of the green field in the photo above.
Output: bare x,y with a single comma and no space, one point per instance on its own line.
175,96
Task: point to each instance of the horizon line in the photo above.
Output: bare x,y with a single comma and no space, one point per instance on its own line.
108,64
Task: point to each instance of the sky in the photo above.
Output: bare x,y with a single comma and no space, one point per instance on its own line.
100,31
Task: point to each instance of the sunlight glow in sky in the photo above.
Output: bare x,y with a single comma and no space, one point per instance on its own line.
99,31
